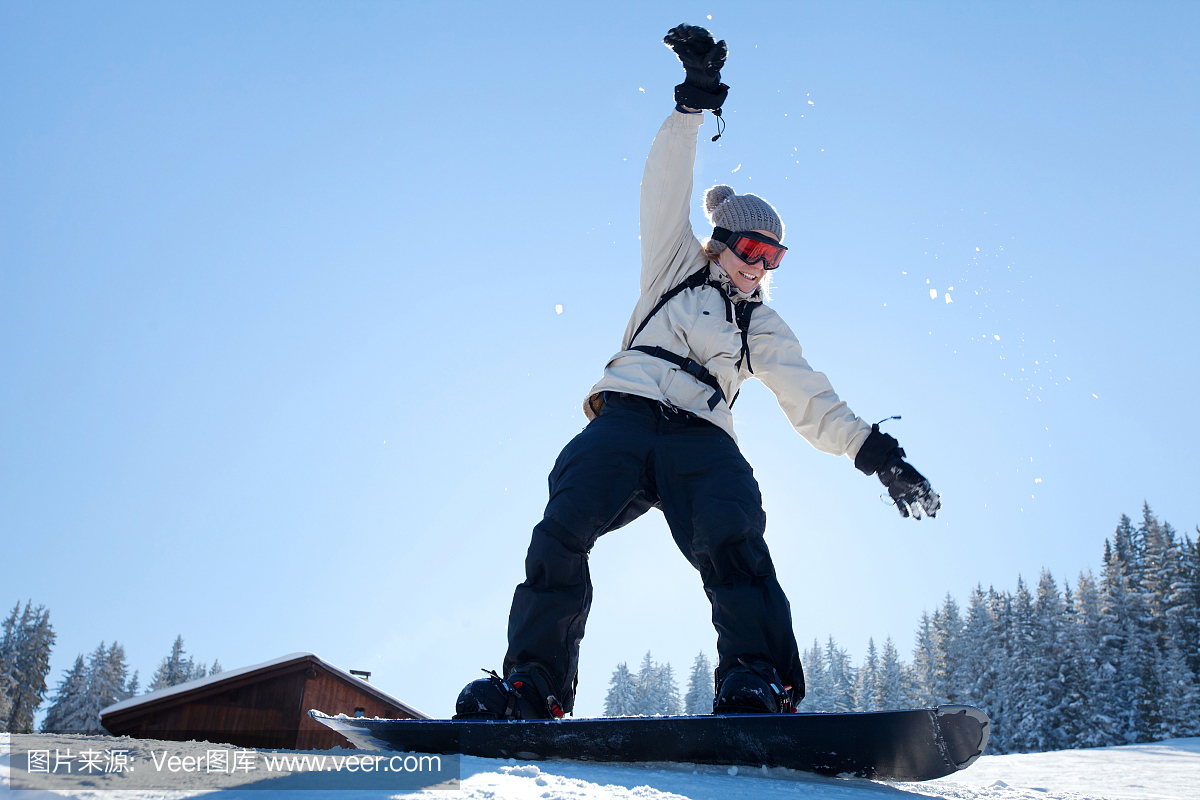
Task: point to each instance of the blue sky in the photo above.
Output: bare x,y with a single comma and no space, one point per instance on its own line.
281,368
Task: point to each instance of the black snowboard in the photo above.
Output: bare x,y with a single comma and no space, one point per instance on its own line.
916,745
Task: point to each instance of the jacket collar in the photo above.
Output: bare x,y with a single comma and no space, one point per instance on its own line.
717,274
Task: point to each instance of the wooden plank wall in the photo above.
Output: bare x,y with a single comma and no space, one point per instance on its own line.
331,695
264,714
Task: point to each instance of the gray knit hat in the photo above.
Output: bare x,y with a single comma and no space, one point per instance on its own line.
725,208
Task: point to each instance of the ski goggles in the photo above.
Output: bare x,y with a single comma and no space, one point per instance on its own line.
751,247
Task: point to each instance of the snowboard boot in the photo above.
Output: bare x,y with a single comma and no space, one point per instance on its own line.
525,694
752,687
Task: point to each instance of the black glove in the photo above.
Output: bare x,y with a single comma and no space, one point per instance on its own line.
882,455
702,60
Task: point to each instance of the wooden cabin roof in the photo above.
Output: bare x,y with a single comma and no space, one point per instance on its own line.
241,676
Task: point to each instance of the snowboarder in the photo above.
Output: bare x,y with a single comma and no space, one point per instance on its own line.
660,435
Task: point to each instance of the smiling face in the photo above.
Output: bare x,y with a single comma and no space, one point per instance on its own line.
745,277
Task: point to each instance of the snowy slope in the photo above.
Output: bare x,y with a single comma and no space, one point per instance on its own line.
1162,771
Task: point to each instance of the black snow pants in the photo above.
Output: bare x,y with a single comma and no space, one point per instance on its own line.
635,456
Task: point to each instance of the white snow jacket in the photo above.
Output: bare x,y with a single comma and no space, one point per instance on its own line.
694,323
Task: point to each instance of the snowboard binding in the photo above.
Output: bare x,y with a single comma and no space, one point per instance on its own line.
753,687
525,694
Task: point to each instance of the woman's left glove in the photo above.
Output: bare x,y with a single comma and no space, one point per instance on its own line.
702,60
882,455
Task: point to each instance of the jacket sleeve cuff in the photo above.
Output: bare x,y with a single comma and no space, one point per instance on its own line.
683,110
876,451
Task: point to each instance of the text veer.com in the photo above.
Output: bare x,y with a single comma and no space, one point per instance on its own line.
313,763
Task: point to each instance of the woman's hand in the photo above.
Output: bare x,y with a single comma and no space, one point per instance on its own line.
882,455
909,490
702,60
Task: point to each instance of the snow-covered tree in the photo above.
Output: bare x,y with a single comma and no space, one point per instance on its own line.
1090,720
1048,659
667,691
866,685
947,674
979,670
1020,681
106,682
841,677
891,687
25,660
924,667
699,697
8,682
622,693
86,690
67,713
175,670
817,694
1181,696
643,687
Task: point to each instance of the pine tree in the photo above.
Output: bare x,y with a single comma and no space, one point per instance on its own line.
27,645
700,693
131,688
1180,708
106,683
645,702
621,699
1070,714
1003,710
173,670
66,713
1048,658
924,668
948,649
1021,688
667,691
978,673
891,691
1183,608
866,685
841,677
1110,707
8,649
817,694
1093,726
216,668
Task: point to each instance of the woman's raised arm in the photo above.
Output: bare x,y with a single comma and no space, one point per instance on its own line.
669,248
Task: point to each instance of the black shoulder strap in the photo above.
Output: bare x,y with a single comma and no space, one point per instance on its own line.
745,310
697,278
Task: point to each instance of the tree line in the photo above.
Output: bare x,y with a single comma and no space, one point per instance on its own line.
1114,660
85,689
653,690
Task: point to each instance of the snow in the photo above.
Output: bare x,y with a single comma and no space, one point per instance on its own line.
234,673
1155,771
1160,771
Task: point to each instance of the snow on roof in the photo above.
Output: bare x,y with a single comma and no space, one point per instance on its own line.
220,677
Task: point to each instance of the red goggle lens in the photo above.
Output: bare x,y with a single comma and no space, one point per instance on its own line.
752,251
